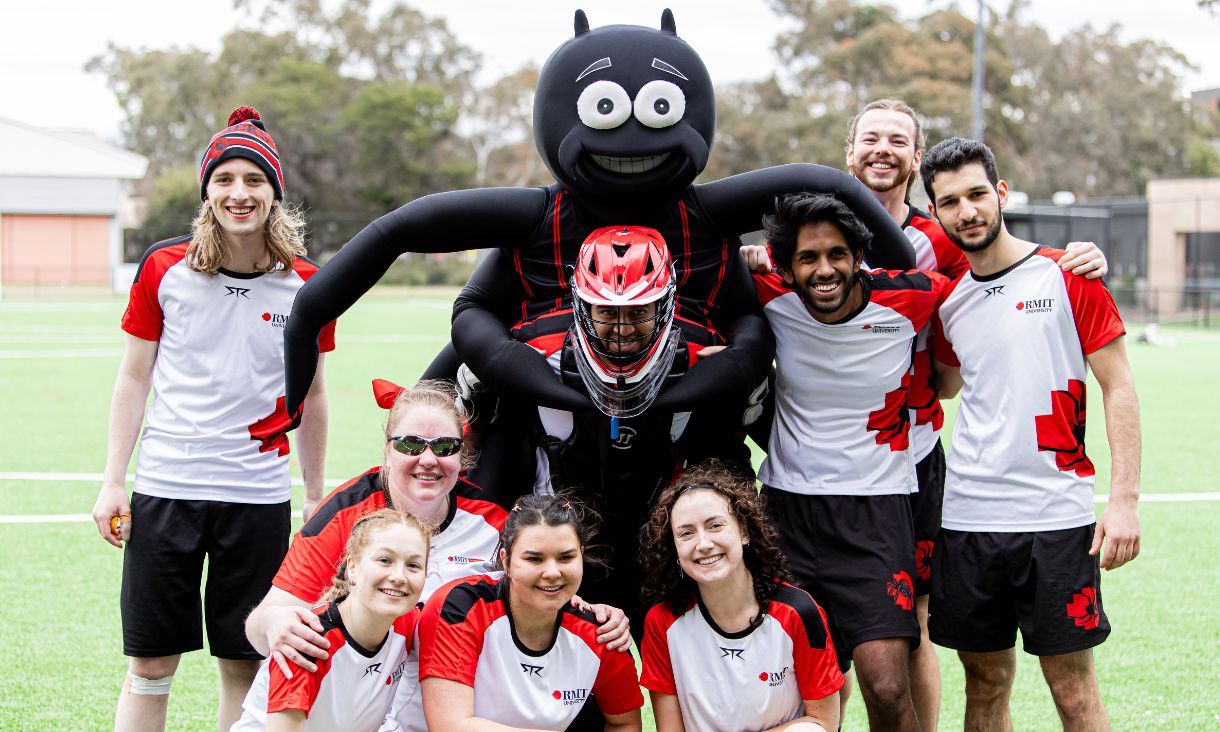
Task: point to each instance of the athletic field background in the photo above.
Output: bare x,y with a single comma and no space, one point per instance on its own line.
60,582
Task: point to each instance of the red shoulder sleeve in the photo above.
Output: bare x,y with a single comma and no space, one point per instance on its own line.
616,687
452,626
813,652
301,690
492,513
914,293
1093,308
406,625
769,286
143,316
306,268
949,258
658,671
313,557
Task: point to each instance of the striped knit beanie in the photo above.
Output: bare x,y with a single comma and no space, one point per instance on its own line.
245,137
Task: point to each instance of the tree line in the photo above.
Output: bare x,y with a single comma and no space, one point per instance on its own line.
372,108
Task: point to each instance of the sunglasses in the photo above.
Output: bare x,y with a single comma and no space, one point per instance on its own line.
414,445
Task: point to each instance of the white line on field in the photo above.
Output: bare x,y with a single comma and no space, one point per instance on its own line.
97,478
63,353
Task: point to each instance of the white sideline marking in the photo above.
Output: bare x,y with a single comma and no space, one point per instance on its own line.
97,478
65,353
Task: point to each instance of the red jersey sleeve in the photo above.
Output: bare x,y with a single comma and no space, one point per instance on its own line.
658,671
813,652
143,316
300,691
938,343
311,562
1093,308
451,629
616,687
949,259
406,625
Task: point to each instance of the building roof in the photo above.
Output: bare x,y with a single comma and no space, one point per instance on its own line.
26,150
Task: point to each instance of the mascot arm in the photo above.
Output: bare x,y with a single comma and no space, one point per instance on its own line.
443,222
482,341
738,202
734,372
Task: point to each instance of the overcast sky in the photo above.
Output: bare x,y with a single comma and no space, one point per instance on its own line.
44,44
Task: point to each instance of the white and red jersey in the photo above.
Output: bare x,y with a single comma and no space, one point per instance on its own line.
216,429
842,418
1020,337
464,544
933,251
351,689
466,635
752,680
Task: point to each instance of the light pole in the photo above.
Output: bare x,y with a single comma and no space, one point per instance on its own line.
976,86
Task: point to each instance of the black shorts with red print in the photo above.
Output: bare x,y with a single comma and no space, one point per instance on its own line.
925,512
987,585
853,555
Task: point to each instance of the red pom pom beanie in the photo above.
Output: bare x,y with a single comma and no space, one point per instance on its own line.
245,137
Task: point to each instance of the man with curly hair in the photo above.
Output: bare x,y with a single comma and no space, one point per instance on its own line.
839,469
204,328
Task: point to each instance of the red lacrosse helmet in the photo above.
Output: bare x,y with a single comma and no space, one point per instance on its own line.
623,294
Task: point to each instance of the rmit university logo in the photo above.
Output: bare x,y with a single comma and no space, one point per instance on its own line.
277,320
881,329
396,674
1042,305
570,696
731,653
531,670
997,290
455,559
625,436
774,678
238,291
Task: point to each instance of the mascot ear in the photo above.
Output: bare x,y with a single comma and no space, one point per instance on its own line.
581,23
667,22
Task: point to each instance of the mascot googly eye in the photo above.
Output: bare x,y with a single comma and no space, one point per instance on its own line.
604,105
660,104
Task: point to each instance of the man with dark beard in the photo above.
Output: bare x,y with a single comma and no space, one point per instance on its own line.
885,142
1021,547
839,469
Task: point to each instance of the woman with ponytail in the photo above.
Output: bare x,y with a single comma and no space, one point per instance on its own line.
368,615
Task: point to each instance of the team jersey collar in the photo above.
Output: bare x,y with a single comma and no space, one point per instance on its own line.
512,627
1006,270
754,624
335,618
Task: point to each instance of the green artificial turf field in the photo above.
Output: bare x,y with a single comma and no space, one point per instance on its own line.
60,581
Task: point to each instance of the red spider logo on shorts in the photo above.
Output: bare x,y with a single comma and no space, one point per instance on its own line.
923,559
900,589
1083,609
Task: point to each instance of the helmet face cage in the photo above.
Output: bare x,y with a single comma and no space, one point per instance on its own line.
623,303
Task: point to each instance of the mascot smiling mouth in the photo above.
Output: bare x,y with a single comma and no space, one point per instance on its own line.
636,164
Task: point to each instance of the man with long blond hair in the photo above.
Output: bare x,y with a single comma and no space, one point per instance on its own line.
204,327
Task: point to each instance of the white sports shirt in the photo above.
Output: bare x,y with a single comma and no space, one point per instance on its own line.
216,427
842,418
1020,337
350,691
747,681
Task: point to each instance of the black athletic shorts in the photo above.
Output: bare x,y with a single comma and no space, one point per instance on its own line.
925,512
854,555
163,567
986,585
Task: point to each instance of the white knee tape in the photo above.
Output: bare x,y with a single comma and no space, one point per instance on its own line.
150,687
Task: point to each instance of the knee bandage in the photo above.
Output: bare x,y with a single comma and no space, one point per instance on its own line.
150,687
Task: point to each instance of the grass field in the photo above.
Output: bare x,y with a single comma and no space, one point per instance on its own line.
60,581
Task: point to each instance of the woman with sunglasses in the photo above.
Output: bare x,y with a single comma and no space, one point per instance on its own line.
422,456
512,653
729,646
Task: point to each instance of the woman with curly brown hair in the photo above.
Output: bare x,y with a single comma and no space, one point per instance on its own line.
725,619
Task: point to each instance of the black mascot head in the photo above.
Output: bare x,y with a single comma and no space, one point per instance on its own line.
625,110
